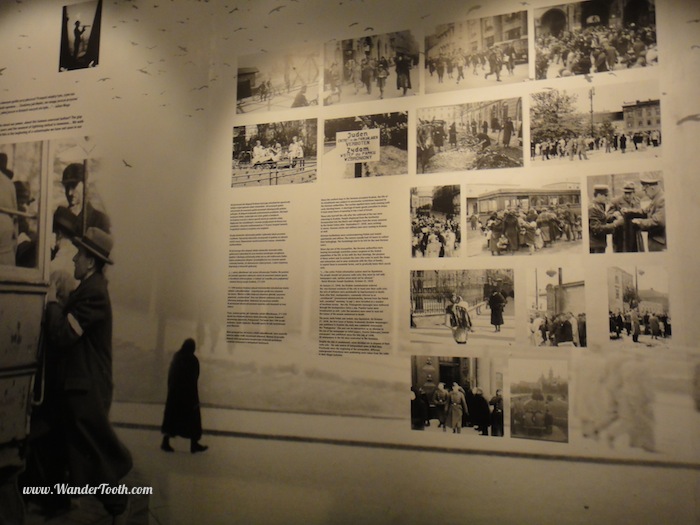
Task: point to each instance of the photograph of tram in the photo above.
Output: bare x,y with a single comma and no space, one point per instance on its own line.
459,395
595,37
519,220
462,307
539,399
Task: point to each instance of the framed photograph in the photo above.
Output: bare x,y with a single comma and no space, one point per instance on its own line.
80,35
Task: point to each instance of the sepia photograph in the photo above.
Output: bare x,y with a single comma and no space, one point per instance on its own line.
372,67
556,304
366,145
598,124
595,37
459,395
627,213
435,219
20,196
516,219
274,153
481,52
278,81
472,136
638,306
539,399
80,35
462,307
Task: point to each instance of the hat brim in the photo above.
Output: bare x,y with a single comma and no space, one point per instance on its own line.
84,243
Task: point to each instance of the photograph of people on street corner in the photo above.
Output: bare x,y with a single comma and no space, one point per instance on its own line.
472,136
638,306
435,218
462,394
627,213
598,124
274,153
462,307
366,145
594,37
556,304
278,81
539,399
516,219
480,52
372,67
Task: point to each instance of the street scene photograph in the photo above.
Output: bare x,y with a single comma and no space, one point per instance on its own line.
366,146
372,67
539,399
274,153
518,219
435,219
480,52
556,304
595,37
472,136
626,212
601,123
639,310
459,395
462,307
278,81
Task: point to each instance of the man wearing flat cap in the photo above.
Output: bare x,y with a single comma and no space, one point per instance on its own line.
79,335
654,216
601,222
628,237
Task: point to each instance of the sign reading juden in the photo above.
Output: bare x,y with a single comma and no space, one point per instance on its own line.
358,146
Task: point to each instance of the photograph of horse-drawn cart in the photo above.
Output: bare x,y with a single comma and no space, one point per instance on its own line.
472,136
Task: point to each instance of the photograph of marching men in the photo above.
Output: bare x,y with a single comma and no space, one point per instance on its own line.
599,123
638,306
458,393
477,53
20,193
557,306
435,216
382,151
462,307
539,399
80,36
472,136
627,213
516,219
594,37
274,153
278,81
370,67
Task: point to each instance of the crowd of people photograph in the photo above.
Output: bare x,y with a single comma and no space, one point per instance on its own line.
435,218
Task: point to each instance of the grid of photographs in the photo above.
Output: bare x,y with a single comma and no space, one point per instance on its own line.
554,256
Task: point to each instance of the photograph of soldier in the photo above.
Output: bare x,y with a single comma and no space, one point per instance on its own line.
391,142
460,307
477,53
462,394
594,37
435,219
80,35
472,136
601,123
638,306
20,192
539,399
524,220
371,67
278,81
274,153
627,213
557,306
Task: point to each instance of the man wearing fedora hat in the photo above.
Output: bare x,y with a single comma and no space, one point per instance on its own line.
79,333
